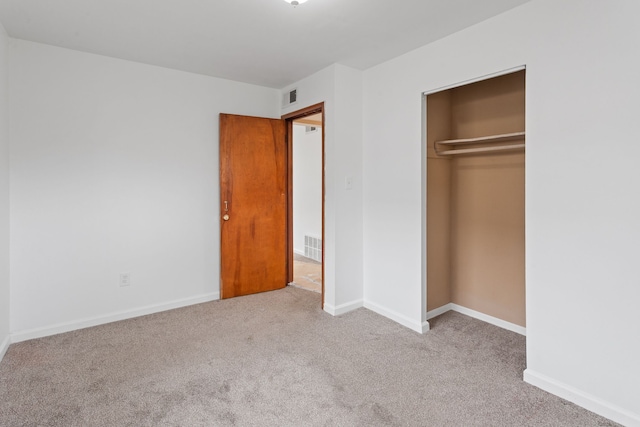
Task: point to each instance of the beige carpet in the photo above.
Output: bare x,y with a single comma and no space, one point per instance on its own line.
307,273
276,359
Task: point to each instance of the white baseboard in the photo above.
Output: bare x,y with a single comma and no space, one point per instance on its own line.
477,315
421,328
113,317
4,346
298,251
582,399
438,311
342,308
490,319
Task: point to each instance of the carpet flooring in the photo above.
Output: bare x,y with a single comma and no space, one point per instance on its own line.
275,359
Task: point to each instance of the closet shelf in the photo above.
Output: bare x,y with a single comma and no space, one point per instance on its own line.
480,144
484,139
481,149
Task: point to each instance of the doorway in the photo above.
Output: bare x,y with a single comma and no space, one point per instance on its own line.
305,135
307,203
257,200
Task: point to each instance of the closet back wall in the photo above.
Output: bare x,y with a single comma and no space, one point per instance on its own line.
487,202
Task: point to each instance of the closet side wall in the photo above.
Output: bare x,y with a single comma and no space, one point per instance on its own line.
487,202
438,203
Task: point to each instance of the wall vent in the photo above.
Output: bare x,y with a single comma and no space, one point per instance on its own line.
313,248
290,98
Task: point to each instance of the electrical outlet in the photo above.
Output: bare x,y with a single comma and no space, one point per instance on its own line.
125,279
348,183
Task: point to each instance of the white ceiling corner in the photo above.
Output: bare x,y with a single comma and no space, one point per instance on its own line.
264,42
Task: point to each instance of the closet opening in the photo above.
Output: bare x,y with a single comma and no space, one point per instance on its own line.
475,200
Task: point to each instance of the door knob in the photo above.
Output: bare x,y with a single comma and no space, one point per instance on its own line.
226,217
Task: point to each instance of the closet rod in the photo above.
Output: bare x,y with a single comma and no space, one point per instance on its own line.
481,149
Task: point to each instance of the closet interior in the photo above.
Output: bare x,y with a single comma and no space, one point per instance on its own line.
475,197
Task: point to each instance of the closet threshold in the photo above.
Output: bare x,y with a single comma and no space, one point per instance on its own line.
483,139
481,149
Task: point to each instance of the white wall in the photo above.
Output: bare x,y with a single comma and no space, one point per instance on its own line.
582,204
307,185
114,168
4,195
340,88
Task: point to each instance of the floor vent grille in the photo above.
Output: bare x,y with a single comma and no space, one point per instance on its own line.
313,248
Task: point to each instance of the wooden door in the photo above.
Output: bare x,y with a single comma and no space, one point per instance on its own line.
253,205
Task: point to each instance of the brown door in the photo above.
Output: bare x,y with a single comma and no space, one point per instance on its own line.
253,204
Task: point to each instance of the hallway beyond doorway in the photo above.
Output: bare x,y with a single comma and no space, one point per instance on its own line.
307,273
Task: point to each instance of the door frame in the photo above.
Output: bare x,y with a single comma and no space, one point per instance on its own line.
289,119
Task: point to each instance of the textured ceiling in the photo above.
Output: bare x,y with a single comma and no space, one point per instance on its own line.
264,42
